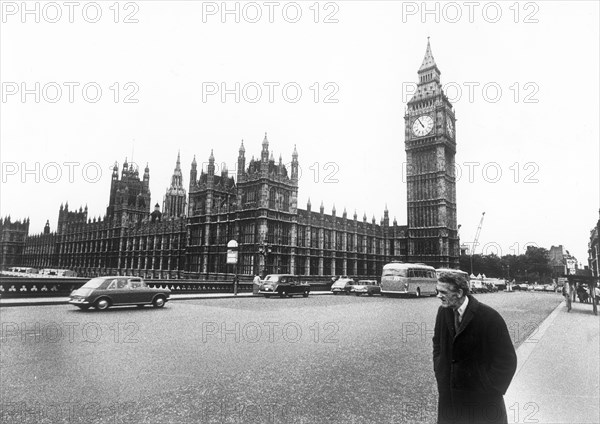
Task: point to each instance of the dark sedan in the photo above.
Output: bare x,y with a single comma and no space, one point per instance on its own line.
104,292
283,285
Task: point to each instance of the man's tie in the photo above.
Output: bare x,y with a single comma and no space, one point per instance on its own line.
456,320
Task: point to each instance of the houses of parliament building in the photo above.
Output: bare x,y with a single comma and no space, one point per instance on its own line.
259,209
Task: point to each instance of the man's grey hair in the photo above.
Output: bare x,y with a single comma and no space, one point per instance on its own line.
456,280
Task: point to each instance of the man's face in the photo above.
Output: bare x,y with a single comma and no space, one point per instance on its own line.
449,298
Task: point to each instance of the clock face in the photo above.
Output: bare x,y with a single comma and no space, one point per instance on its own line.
422,125
450,128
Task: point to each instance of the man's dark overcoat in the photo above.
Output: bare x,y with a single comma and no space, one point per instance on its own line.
473,367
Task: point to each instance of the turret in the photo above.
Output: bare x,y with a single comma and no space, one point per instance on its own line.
295,165
115,173
211,167
264,154
147,176
386,217
193,173
241,165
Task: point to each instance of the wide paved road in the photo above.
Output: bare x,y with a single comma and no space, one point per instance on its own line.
323,359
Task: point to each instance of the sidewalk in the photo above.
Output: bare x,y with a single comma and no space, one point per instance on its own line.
558,373
38,301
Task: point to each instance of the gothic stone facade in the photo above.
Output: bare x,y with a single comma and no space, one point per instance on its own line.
259,209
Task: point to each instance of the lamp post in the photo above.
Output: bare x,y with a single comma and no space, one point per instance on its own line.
232,258
264,250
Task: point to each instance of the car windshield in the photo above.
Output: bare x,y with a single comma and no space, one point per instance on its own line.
94,283
271,279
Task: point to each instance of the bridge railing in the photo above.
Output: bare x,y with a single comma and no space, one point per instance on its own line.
23,287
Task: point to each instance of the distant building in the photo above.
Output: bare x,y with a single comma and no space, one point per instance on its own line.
259,209
12,241
562,262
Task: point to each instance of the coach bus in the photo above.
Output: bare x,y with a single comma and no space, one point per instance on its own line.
405,278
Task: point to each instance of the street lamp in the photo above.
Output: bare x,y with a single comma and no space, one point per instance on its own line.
264,250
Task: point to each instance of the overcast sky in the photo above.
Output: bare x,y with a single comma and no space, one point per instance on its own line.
523,78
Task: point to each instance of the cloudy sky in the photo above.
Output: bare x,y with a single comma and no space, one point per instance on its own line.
84,86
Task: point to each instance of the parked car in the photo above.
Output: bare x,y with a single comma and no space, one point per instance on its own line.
283,285
104,292
478,287
369,287
342,285
538,287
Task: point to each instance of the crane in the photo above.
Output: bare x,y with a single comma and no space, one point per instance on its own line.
476,239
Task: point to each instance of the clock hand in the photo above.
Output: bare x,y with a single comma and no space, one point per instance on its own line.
420,123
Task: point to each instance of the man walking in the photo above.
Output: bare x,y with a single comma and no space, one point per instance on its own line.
474,359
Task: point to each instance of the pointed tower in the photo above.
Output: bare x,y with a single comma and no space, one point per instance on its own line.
430,146
241,164
175,198
210,169
295,165
146,176
194,173
130,196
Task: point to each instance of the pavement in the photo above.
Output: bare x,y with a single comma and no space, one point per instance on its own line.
558,373
557,379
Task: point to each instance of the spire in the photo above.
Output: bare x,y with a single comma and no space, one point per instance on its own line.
211,165
177,178
264,154
295,165
242,148
428,60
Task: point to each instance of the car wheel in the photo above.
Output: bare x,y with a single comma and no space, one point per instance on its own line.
305,294
334,293
283,294
418,292
102,304
158,302
357,294
83,307
370,293
140,306
267,296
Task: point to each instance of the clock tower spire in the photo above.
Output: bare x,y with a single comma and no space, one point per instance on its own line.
430,146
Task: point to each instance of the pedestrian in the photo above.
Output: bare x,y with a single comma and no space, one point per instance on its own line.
236,280
566,293
256,284
474,359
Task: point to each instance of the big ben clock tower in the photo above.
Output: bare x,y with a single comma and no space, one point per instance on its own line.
430,144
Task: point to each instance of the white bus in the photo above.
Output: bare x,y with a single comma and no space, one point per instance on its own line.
404,278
